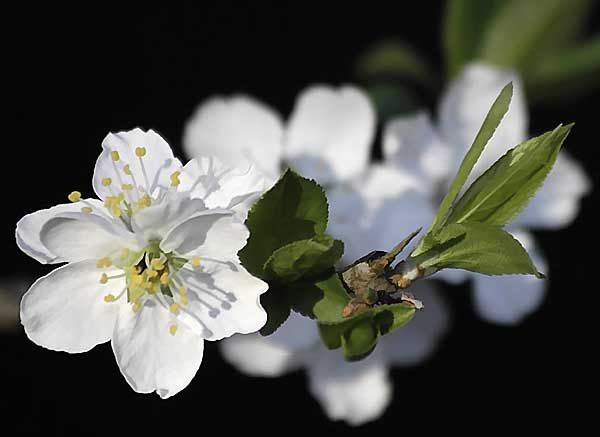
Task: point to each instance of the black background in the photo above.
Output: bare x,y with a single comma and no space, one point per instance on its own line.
76,73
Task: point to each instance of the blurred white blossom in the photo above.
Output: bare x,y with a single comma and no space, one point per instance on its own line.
152,267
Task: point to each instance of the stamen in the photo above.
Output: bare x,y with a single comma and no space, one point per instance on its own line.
195,261
173,307
140,152
173,329
151,273
145,201
114,155
136,306
182,291
157,264
137,280
106,182
104,278
175,178
127,187
116,211
164,279
74,196
183,300
104,262
127,170
109,298
86,209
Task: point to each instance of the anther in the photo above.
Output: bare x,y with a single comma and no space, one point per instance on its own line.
183,300
157,264
127,187
116,211
114,155
109,298
74,196
140,152
104,262
173,329
175,178
151,273
136,306
106,182
195,261
104,278
182,291
173,307
86,209
127,170
164,279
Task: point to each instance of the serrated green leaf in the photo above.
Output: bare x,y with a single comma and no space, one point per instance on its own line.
465,22
323,299
491,122
294,209
304,258
521,27
504,190
480,248
278,310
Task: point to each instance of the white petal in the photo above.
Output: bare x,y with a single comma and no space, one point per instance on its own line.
507,300
64,233
356,392
213,233
224,299
412,145
238,130
149,356
65,310
417,340
171,209
159,162
556,204
465,104
221,186
330,133
254,355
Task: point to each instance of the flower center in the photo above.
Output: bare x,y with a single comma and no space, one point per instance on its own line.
150,274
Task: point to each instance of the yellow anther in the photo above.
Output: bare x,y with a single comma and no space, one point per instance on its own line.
116,211
104,262
109,298
182,291
110,201
195,261
120,197
174,307
151,273
74,196
106,182
86,209
146,285
127,170
183,300
155,287
114,155
104,278
157,264
164,279
136,306
127,187
145,200
137,279
175,178
173,329
134,270
124,252
140,151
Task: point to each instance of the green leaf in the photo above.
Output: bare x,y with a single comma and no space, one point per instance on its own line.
321,299
480,248
464,24
395,60
359,340
294,209
278,310
504,190
491,122
304,258
522,27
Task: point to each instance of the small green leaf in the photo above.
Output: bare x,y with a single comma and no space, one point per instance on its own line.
480,248
294,209
502,192
304,258
359,340
278,310
491,122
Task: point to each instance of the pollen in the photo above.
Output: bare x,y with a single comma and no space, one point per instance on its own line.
104,278
74,196
164,279
183,300
137,279
182,291
109,298
86,209
140,152
151,273
127,170
127,187
136,306
173,329
106,182
116,211
175,178
147,285
104,262
145,201
173,307
157,264
195,261
114,155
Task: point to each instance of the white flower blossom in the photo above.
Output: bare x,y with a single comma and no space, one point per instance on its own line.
328,137
152,266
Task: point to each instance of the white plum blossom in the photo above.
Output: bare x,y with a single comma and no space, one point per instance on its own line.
328,137
152,266
428,156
